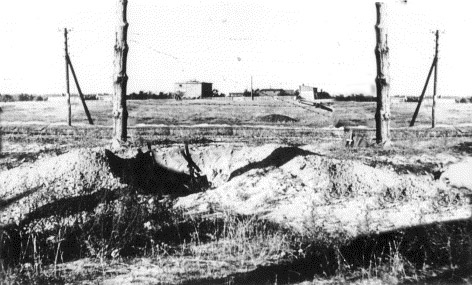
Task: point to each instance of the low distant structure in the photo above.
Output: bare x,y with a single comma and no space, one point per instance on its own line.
104,96
308,92
236,94
275,92
288,92
76,98
194,89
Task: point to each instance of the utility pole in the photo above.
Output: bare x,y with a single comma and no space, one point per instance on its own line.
81,95
66,56
417,110
69,65
433,66
252,90
120,112
433,114
382,81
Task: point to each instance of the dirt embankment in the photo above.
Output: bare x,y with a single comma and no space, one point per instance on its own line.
37,189
295,187
313,194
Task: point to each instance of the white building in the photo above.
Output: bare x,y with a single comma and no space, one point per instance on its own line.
194,89
308,92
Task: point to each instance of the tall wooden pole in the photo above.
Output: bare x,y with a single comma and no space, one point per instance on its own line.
433,114
66,55
417,110
120,112
382,81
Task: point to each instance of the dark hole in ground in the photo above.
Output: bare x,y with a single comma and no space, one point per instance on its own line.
148,176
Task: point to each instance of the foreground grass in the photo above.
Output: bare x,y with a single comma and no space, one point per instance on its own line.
173,248
230,249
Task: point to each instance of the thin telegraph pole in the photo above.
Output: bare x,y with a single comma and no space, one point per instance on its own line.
433,65
87,113
433,114
66,55
412,123
252,91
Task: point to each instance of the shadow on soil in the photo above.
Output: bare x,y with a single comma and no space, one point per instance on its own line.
277,158
9,201
148,176
446,246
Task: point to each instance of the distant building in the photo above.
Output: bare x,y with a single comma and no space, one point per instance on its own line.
308,92
194,89
289,92
236,94
276,92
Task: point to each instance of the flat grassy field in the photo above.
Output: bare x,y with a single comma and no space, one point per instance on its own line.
190,112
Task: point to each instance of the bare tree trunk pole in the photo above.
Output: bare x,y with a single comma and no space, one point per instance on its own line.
382,81
120,112
433,114
66,56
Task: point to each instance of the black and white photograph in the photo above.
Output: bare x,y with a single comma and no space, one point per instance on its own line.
235,142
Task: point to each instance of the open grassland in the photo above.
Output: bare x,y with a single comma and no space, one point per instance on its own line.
190,112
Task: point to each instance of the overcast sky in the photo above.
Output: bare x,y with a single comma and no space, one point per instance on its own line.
282,44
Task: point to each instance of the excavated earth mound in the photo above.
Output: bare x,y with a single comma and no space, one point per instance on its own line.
318,195
292,186
34,189
274,118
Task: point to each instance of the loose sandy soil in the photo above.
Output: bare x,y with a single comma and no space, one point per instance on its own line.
288,185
